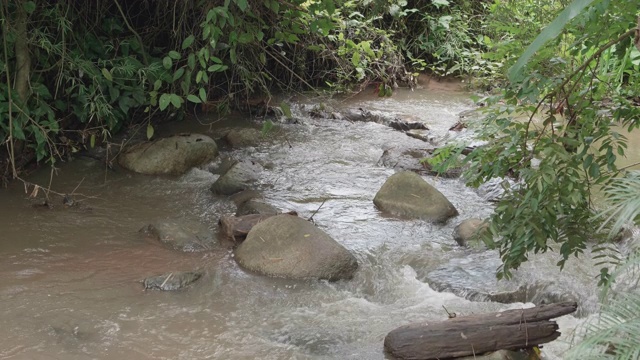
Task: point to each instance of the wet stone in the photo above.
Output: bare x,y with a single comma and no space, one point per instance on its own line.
238,177
406,194
171,281
181,235
169,156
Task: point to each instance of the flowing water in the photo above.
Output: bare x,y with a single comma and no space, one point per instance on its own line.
69,277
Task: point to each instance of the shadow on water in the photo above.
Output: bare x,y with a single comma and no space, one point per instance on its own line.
70,277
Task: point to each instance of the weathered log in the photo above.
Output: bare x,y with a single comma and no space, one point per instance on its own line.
477,334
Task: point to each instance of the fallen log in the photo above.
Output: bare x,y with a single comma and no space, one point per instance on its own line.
477,334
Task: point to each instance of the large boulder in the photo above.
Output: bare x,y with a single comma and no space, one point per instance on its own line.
406,194
180,235
239,177
169,156
290,247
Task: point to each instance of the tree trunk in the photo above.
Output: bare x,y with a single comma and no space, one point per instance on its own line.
477,334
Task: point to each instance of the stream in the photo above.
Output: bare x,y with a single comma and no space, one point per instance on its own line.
70,277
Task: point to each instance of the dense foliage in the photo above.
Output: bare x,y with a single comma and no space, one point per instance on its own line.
559,129
73,73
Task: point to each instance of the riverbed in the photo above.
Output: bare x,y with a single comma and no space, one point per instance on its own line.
70,276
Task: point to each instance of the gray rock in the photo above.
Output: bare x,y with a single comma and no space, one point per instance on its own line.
468,231
256,207
404,159
406,194
181,235
169,156
242,137
290,247
239,177
171,281
244,196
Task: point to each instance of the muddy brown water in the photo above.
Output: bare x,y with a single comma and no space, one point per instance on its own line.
70,277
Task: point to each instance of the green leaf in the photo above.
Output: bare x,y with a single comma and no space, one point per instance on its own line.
439,3
107,74
330,6
355,59
266,127
165,100
174,55
194,99
188,41
178,74
167,62
92,141
242,4
550,32
203,94
216,67
286,110
176,100
149,131
191,61
245,38
29,7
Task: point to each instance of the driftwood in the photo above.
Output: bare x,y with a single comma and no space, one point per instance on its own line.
477,334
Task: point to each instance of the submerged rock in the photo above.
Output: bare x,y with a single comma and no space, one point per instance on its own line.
404,159
469,230
473,277
169,156
406,194
238,177
171,281
290,247
182,236
256,207
242,137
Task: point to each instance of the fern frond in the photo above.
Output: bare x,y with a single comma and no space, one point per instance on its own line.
624,196
614,333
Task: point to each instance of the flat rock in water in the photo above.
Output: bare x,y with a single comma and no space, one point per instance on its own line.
239,177
404,159
181,235
290,247
406,194
256,207
171,281
243,137
169,156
